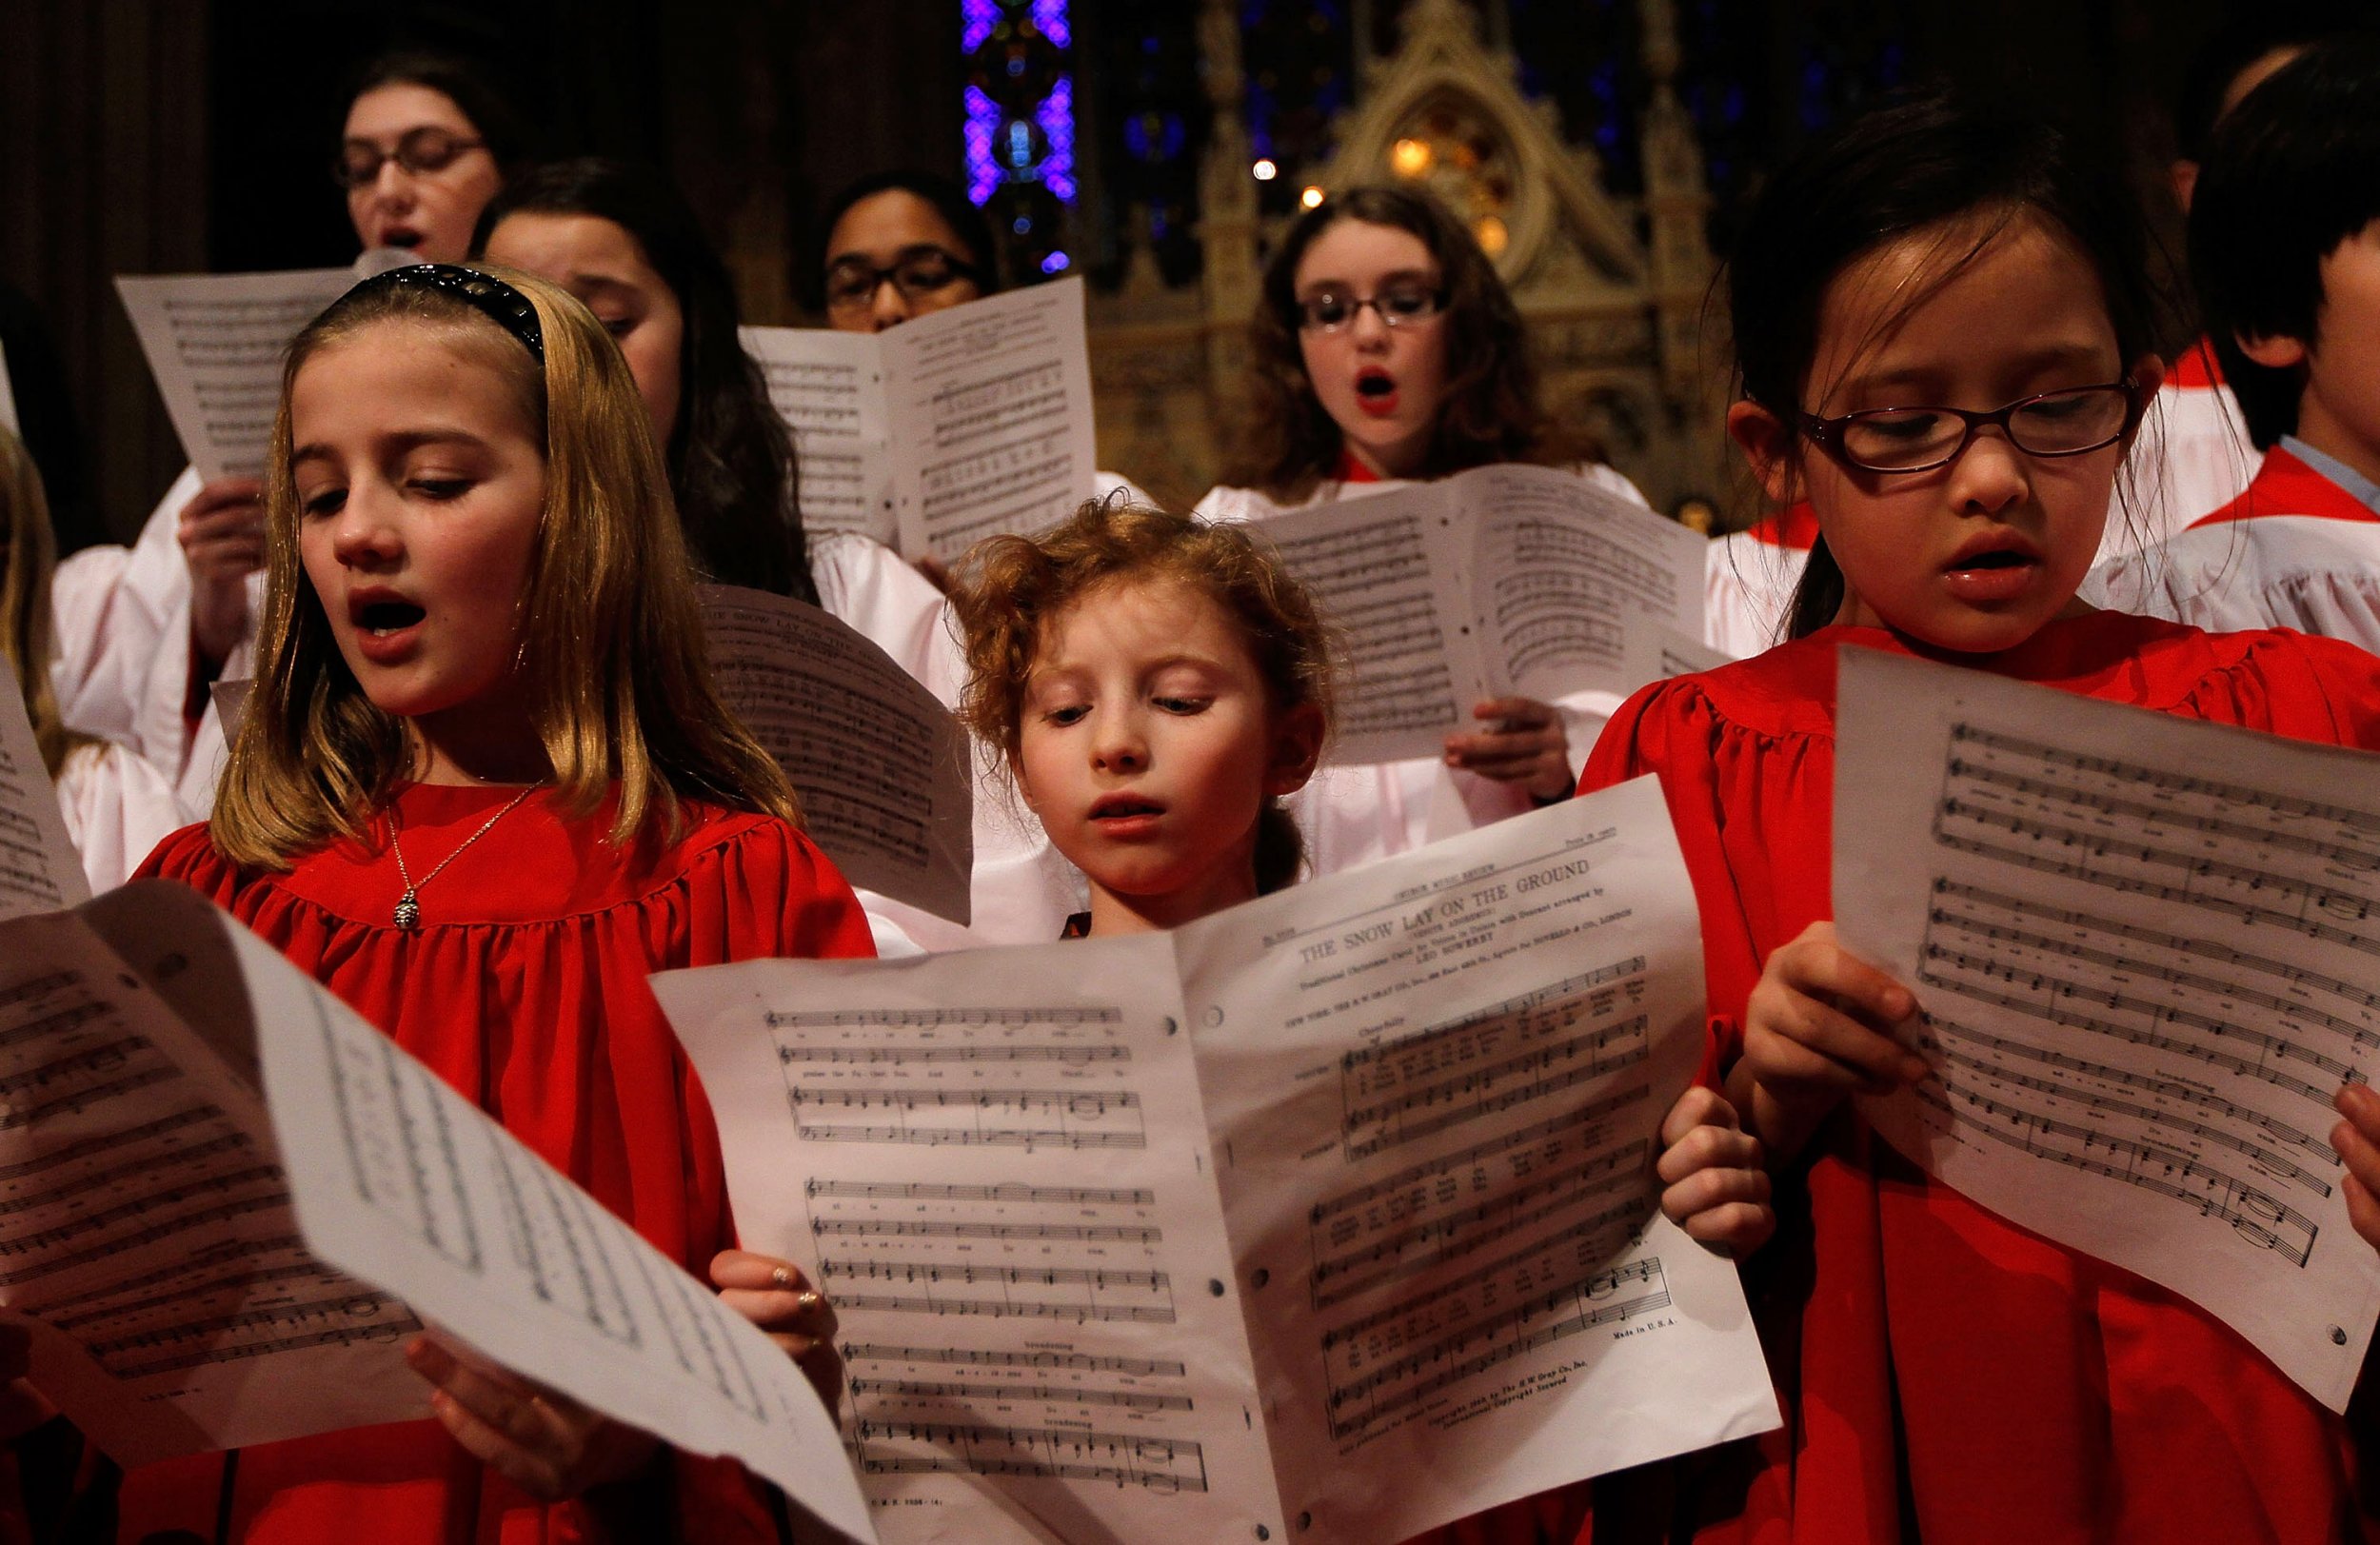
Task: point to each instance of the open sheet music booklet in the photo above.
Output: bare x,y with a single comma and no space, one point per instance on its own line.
1500,581
879,765
2148,950
226,1201
965,424
1327,1219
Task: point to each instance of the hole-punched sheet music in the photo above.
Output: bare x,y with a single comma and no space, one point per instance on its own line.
1501,580
206,1157
2148,950
39,869
214,343
880,763
1328,1218
965,424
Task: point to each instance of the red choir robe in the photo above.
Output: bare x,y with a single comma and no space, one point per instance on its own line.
1947,1376
524,989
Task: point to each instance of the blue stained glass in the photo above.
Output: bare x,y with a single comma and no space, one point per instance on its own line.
1055,263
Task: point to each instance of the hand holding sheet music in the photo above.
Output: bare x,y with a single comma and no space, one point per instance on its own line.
1502,581
2146,952
1330,1218
205,1158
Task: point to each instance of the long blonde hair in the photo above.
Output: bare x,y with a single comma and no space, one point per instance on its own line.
28,553
611,635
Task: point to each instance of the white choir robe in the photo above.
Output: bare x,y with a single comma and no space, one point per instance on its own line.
2191,458
1749,579
117,809
2297,550
1351,814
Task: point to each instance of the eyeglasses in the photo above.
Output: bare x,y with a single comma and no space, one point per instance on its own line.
1400,306
852,282
2066,423
419,150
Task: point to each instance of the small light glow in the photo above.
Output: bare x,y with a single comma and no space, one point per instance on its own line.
1311,198
1494,238
1264,171
1410,158
1055,263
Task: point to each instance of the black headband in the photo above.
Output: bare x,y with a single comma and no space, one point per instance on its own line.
484,293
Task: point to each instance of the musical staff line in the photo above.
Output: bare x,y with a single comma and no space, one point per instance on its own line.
1067,1055
2252,1214
1584,1314
1557,1131
943,1390
1392,1117
934,1017
1005,1191
944,1229
859,1352
1515,1212
1160,1464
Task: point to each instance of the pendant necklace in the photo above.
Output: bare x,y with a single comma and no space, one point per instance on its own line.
408,911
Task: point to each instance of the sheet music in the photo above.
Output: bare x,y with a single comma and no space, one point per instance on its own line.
214,343
829,388
993,1162
8,397
1429,1091
1574,584
1388,572
403,1182
1685,655
2145,948
39,869
1435,1087
146,1230
990,417
880,763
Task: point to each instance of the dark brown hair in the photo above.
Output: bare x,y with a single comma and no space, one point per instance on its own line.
1012,587
1489,412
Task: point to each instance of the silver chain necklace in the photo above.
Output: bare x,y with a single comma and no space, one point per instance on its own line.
408,913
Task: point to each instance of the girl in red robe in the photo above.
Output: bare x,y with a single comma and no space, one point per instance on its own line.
1944,339
482,791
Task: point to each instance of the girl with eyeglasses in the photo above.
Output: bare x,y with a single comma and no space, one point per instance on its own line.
902,245
1385,349
143,631
1944,337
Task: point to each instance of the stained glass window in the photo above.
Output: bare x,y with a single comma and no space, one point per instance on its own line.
1020,125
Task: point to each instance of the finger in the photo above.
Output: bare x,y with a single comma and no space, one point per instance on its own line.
2360,1154
1737,1229
2360,1104
524,1412
750,1269
532,1472
222,493
1701,1106
1820,967
1526,742
1708,1148
1870,1057
776,1310
1518,712
1708,1188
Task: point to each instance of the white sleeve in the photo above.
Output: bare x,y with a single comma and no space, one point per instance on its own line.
1746,589
117,809
1226,503
2308,572
117,610
2191,458
873,588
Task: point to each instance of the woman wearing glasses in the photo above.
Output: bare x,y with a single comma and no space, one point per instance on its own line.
1386,349
899,245
143,630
